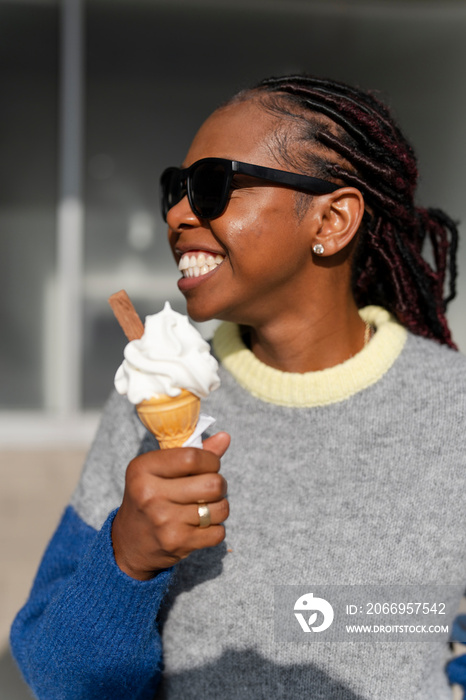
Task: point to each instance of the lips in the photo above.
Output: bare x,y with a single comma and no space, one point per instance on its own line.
197,264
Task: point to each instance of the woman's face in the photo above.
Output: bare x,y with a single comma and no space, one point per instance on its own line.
260,263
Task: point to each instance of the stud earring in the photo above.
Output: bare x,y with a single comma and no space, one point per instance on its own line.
318,249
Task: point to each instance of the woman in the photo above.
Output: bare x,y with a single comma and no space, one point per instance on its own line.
347,427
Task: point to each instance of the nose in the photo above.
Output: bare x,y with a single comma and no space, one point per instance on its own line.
181,216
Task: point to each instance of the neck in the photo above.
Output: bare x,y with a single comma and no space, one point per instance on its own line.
301,344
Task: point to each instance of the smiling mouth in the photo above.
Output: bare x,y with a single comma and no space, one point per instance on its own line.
198,264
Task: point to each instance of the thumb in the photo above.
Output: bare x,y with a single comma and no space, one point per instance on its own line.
218,443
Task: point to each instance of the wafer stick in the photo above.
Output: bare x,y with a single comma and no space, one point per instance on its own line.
126,315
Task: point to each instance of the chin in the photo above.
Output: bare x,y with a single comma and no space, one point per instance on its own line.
201,311
201,318
200,315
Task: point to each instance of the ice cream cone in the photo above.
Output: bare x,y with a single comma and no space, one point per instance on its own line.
172,419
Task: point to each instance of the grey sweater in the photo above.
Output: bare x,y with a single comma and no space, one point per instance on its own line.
352,475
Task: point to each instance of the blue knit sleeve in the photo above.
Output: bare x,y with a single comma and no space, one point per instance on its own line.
88,630
456,669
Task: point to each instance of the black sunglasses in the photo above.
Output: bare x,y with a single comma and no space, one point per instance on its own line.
207,183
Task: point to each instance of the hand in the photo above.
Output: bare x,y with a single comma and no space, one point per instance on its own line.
158,521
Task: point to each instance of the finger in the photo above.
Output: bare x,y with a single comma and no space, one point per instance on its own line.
177,462
218,443
198,538
208,536
219,512
193,489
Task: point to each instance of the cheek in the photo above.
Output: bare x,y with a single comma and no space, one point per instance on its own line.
265,234
259,224
245,235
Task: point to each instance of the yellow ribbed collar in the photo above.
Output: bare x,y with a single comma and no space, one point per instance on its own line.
313,388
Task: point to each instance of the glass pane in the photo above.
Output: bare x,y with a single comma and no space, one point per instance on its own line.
135,126
28,75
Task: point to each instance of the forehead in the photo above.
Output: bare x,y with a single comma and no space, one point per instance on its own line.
240,131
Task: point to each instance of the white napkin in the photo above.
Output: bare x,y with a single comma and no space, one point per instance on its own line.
195,440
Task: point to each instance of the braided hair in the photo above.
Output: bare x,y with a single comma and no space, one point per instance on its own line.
356,142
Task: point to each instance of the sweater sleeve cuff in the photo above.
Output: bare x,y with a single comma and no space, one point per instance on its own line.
116,591
109,609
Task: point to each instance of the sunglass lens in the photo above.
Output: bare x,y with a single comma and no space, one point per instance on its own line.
208,189
173,189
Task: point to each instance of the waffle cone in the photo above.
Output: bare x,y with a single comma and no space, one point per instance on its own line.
172,419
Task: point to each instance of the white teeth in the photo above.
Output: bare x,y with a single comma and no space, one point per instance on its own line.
192,265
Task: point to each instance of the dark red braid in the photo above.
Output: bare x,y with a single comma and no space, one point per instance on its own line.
366,149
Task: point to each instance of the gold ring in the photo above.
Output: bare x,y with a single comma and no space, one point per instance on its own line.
204,515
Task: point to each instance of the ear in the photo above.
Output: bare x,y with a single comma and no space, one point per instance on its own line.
338,216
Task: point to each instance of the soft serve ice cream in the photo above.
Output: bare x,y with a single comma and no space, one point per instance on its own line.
167,369
170,356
